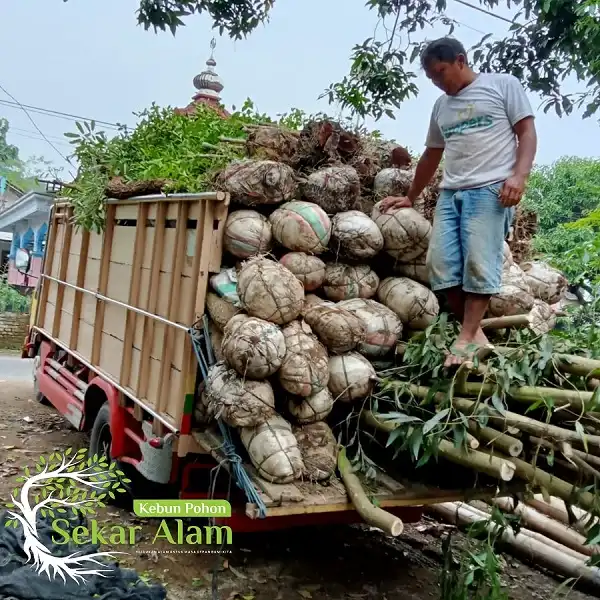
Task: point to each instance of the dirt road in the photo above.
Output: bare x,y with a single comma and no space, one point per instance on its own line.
341,563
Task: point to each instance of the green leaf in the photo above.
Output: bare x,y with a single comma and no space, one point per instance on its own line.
435,420
581,433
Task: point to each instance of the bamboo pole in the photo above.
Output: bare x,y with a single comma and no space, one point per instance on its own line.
372,514
544,552
500,468
542,523
527,424
589,458
496,439
558,511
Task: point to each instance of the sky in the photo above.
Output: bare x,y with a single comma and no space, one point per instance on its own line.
90,58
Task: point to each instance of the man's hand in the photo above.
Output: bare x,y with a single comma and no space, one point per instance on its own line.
394,203
512,190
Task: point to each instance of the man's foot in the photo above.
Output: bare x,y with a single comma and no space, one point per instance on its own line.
465,348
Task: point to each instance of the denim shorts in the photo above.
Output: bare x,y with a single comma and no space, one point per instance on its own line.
467,241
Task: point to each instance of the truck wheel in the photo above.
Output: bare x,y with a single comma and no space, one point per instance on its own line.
100,444
38,396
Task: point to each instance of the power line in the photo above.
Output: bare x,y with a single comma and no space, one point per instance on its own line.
484,11
56,113
38,129
58,139
34,137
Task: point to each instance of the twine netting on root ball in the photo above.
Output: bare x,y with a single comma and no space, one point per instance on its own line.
308,269
355,235
254,182
247,233
253,347
269,291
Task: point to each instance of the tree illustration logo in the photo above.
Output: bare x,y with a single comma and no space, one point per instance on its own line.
64,482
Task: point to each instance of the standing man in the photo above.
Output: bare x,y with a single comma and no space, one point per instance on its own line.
485,125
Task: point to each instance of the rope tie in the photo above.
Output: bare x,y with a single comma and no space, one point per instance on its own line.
205,357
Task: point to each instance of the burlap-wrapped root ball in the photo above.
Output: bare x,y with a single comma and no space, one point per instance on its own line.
546,283
318,448
415,304
216,340
239,402
269,291
415,269
247,233
312,300
406,233
305,368
508,259
337,328
273,450
392,182
253,347
308,269
255,182
335,189
515,297
351,377
301,226
383,326
355,235
542,318
344,282
220,310
312,408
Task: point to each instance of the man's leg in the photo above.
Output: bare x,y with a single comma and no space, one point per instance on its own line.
483,227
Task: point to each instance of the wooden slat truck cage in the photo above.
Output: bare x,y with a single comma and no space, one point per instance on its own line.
110,337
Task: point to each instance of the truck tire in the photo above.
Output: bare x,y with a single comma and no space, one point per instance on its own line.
100,443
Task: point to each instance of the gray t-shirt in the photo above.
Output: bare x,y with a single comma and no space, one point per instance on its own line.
475,129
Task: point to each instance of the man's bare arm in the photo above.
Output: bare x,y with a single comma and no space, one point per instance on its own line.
514,187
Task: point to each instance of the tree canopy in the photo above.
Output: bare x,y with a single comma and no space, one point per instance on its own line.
548,41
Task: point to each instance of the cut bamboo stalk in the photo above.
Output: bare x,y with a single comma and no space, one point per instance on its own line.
556,530
510,322
371,514
530,394
229,140
496,439
527,424
558,511
472,441
554,485
500,468
529,547
578,365
589,458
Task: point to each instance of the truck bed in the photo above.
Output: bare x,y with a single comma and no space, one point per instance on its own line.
306,497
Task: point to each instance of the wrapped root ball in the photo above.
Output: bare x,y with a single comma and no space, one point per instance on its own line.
269,291
308,269
546,283
255,182
355,235
511,300
383,326
273,450
415,304
406,233
337,328
253,347
318,448
312,299
239,402
508,257
335,189
312,408
216,341
392,182
351,377
301,227
220,310
344,282
513,275
247,233
415,269
305,369
201,410
542,318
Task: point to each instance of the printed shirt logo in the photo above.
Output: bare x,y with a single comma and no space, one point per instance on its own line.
467,121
